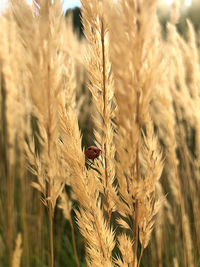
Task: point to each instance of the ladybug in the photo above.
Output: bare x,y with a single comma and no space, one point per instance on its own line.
92,152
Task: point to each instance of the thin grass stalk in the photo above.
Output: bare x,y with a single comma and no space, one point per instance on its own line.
104,113
23,212
135,247
66,206
141,253
50,212
59,223
10,214
40,251
74,242
49,143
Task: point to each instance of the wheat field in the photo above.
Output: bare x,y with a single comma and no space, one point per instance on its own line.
123,88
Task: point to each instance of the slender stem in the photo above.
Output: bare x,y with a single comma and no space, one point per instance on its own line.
10,227
39,250
51,240
74,242
50,178
142,249
51,227
135,233
73,235
104,116
137,177
23,211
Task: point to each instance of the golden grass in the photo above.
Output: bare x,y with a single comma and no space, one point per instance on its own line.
146,121
17,253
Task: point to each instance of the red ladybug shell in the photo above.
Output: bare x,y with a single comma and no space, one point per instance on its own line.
92,152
